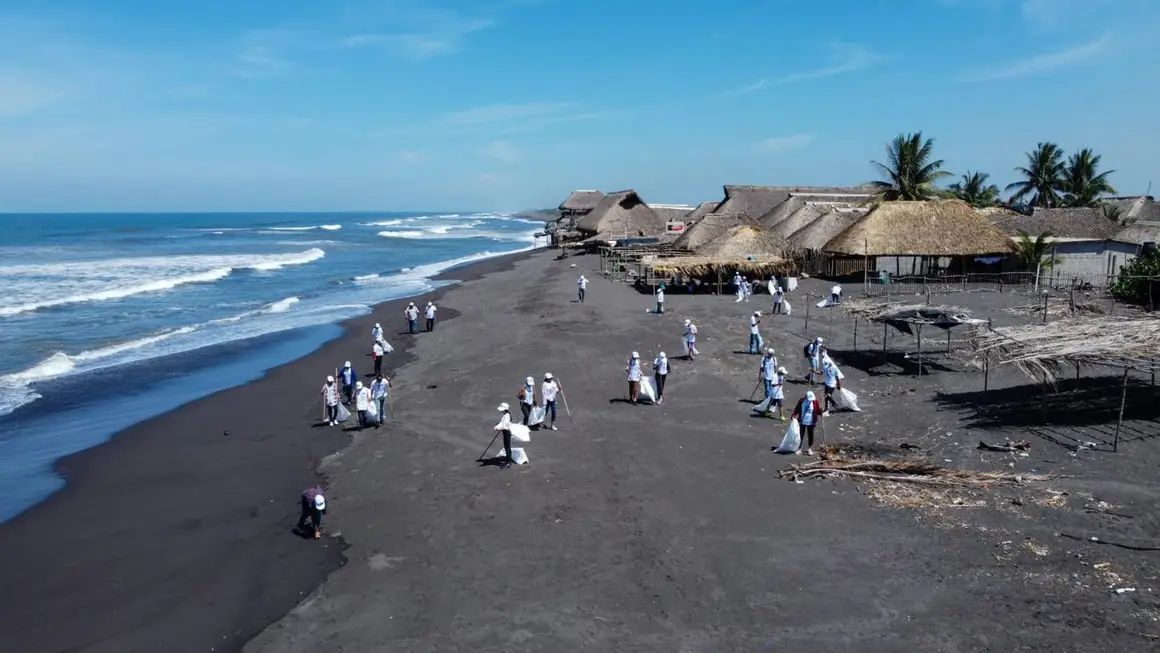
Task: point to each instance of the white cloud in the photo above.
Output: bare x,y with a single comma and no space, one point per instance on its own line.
1041,62
502,151
844,58
785,143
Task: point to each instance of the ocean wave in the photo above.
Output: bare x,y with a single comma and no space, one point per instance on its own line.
365,277
325,227
445,232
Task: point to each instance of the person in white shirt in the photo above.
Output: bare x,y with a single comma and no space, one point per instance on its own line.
633,373
778,397
690,336
412,315
660,373
738,286
505,427
581,287
430,317
661,298
330,400
548,391
362,403
746,287
813,353
527,397
778,296
831,381
836,294
767,372
377,352
380,388
754,333
377,333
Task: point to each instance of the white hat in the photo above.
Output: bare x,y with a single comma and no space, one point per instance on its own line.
756,313
502,407
346,364
358,384
428,303
769,350
688,322
662,355
319,502
330,379
819,339
548,375
635,355
811,396
531,381
378,326
782,370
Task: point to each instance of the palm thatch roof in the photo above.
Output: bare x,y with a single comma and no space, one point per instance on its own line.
582,201
1079,222
817,233
709,228
620,214
1140,232
745,241
903,316
1042,351
804,215
703,209
708,267
671,212
931,228
1133,208
800,198
752,201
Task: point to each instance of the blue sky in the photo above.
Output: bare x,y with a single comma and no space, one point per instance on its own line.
509,104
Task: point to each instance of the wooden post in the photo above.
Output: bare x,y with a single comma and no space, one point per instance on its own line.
856,344
1045,296
884,327
807,329
986,373
919,350
831,336
718,281
1123,400
948,341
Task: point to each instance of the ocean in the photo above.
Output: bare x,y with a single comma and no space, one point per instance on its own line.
108,319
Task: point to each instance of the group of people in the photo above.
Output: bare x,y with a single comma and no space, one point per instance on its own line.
369,402
411,313
550,389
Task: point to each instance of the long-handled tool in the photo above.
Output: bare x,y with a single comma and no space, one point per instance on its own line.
480,459
567,411
755,387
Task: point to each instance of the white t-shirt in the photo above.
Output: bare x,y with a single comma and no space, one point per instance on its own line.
362,399
660,295
753,324
691,332
330,394
377,349
778,384
661,365
431,312
634,369
379,389
505,422
529,394
582,282
548,391
836,290
412,313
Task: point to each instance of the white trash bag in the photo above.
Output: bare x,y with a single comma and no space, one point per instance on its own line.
519,456
373,410
685,345
788,309
763,406
387,348
847,400
824,303
792,440
536,417
343,413
521,433
791,284
646,390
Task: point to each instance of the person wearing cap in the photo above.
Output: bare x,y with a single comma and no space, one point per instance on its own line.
313,507
527,397
505,427
660,298
581,287
746,288
380,388
831,381
362,403
412,315
377,352
377,332
836,294
767,372
807,414
778,396
633,370
690,336
813,351
430,313
754,333
778,296
548,391
330,400
660,373
348,377
737,285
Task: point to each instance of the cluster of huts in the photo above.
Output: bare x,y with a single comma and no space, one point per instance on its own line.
844,232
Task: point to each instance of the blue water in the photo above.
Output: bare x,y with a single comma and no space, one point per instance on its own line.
108,319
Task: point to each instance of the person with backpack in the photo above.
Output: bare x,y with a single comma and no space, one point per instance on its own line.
812,352
313,508
807,413
660,373
548,391
527,397
754,333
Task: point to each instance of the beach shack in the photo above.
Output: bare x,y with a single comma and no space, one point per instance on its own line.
744,248
1083,243
577,205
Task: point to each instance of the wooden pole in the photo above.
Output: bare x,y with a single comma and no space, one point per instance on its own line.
1045,296
1123,400
884,327
831,336
920,350
856,344
807,329
948,341
986,373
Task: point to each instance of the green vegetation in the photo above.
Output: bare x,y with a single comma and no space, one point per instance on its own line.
910,171
974,190
1138,280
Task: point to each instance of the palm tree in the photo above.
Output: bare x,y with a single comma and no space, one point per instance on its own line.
1033,253
974,190
910,171
1043,176
1081,183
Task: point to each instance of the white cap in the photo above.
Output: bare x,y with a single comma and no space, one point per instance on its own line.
662,355
330,379
769,350
346,364
635,355
688,322
756,313
319,502
502,407
782,370
428,303
378,326
358,384
548,375
819,339
531,381
811,396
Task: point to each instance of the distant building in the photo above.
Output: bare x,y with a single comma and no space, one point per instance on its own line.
578,204
620,215
1084,244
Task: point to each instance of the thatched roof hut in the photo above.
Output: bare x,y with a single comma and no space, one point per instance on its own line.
817,233
745,248
1078,222
672,212
581,202
933,228
620,214
803,216
709,228
745,241
703,209
808,198
1140,232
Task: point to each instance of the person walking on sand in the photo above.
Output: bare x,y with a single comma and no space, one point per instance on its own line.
754,333
634,373
660,298
767,372
313,508
548,391
377,333
348,377
836,294
778,297
412,315
831,381
581,287
778,396
377,352
807,414
330,400
362,403
660,373
813,353
747,287
430,314
737,285
505,428
690,336
380,388
527,397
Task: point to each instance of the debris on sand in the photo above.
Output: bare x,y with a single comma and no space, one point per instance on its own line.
1006,447
905,471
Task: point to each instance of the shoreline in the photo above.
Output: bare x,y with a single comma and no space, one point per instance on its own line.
200,518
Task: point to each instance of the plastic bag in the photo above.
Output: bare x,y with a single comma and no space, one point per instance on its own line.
373,410
847,400
763,406
646,390
685,344
792,440
387,348
791,284
787,308
343,413
536,416
521,433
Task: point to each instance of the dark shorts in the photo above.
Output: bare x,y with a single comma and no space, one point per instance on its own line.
830,391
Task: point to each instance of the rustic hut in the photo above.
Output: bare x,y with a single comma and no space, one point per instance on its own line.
807,199
580,203
815,235
744,248
935,234
619,215
709,228
703,209
1084,243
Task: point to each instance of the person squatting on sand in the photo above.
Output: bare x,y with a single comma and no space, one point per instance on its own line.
660,373
690,336
527,397
313,508
778,296
548,391
430,313
380,388
807,414
660,298
505,428
754,333
581,287
813,354
634,373
831,380
348,377
330,400
412,315
362,403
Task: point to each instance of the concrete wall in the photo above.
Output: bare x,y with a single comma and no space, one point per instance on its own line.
1091,261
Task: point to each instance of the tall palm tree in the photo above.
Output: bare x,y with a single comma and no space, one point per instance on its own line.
910,171
1043,176
1033,253
1082,185
974,190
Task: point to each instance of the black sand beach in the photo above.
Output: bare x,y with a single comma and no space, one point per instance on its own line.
633,528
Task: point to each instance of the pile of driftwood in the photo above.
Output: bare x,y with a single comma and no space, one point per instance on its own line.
903,471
